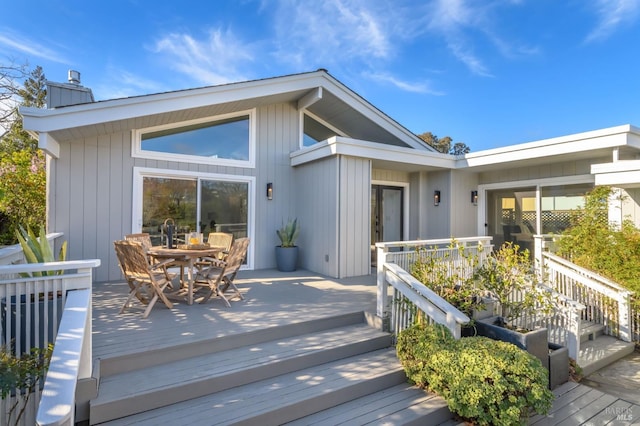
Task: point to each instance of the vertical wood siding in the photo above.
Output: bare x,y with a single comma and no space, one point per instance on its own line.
317,200
90,188
569,168
631,205
355,217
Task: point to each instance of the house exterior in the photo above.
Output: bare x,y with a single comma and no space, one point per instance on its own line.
350,174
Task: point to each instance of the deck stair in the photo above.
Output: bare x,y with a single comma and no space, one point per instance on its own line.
326,371
598,350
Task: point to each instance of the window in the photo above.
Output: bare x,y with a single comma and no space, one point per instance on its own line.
224,140
316,131
202,203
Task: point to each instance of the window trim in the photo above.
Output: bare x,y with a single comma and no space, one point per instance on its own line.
139,173
138,152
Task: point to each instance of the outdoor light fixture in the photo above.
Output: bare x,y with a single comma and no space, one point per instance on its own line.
436,198
474,197
270,191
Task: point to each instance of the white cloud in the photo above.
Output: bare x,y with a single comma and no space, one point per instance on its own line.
124,84
333,32
424,87
611,15
13,42
217,59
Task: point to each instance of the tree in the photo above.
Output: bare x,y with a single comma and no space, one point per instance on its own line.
10,75
32,94
22,172
444,145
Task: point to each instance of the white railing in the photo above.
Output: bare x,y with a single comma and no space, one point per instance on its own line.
561,319
606,302
12,255
70,357
411,299
32,308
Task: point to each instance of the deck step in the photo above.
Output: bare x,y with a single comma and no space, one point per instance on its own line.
133,391
399,405
139,358
284,398
590,331
605,350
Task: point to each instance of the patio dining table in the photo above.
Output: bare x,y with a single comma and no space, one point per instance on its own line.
185,257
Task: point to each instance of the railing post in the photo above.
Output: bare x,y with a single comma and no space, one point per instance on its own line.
624,316
381,258
573,338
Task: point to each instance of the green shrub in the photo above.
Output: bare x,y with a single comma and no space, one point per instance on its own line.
448,276
486,381
595,244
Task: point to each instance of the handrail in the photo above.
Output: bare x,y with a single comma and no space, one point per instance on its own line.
586,286
57,404
423,298
434,242
597,279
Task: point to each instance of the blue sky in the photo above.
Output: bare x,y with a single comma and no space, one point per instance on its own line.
488,73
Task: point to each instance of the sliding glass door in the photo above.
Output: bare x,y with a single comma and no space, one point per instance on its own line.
195,204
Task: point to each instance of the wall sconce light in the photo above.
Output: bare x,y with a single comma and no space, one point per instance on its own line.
474,198
270,191
436,198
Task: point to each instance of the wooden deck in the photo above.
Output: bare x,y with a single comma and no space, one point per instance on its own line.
273,298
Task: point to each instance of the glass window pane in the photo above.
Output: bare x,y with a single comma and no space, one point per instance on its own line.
168,198
224,207
227,139
315,132
559,204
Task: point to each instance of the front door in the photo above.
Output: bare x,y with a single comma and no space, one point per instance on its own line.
386,214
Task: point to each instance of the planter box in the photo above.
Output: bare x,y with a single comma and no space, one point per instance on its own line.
558,365
40,307
286,258
534,342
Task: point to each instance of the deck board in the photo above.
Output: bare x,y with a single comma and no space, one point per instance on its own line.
271,299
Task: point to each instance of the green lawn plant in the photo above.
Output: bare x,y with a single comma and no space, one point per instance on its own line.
288,234
19,377
484,381
36,249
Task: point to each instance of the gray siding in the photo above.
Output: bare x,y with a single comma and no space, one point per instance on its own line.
569,168
355,217
436,220
90,193
463,213
317,200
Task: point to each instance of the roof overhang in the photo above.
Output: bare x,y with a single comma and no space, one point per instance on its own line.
624,174
306,90
383,156
625,140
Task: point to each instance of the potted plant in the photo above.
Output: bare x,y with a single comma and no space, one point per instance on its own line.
36,250
287,251
20,376
507,277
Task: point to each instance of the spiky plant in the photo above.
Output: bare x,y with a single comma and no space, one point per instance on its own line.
288,234
37,249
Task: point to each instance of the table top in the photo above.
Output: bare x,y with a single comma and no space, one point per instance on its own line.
185,251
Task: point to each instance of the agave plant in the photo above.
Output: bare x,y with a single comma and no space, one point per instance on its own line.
288,234
37,249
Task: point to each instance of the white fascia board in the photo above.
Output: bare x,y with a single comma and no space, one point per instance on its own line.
371,150
611,137
47,143
49,120
626,172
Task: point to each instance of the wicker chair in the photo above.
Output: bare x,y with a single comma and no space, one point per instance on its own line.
218,276
147,281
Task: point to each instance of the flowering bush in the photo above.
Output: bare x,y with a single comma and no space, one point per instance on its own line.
22,192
